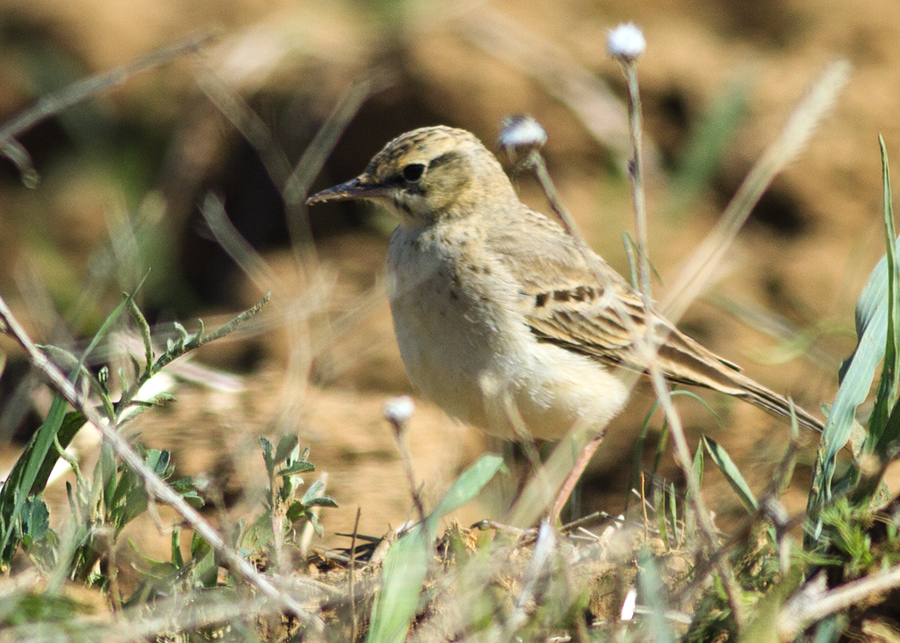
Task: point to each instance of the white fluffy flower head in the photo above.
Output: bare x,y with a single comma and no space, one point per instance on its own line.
398,410
626,42
521,131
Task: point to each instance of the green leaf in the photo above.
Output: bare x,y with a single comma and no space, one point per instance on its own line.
35,519
177,558
323,501
301,466
23,479
402,580
286,444
466,487
732,474
312,492
858,371
407,561
887,388
734,477
206,569
186,489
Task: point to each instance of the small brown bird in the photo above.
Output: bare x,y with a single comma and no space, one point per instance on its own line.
500,316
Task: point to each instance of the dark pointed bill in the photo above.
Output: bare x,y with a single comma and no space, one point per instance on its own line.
352,189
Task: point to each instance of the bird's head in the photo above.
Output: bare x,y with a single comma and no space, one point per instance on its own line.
427,175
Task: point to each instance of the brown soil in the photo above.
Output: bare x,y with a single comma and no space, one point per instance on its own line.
801,260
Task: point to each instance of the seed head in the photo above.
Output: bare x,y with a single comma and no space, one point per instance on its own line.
398,410
520,134
626,42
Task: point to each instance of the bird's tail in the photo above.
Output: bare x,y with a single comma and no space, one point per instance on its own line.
687,362
770,401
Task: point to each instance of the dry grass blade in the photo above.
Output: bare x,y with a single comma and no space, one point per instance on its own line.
247,122
231,241
589,98
809,113
52,104
804,611
306,169
154,485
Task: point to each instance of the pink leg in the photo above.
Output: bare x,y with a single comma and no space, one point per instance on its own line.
574,475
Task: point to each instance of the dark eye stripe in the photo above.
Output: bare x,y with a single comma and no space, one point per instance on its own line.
443,158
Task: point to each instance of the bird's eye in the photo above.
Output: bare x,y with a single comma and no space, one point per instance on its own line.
413,172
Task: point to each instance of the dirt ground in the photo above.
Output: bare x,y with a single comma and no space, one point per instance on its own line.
153,149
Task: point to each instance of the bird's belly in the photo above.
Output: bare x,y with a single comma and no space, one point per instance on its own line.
480,363
444,341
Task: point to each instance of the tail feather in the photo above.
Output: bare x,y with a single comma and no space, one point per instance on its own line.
686,361
774,403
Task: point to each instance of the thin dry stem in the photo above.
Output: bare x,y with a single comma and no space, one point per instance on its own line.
806,116
258,134
652,345
154,485
683,457
294,309
239,249
354,622
799,614
635,121
591,100
400,435
52,104
301,177
578,438
254,130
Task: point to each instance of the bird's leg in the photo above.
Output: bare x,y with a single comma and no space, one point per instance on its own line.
531,448
574,476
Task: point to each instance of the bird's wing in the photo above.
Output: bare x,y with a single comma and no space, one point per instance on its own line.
570,297
574,299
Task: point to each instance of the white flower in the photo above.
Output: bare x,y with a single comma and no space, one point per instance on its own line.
521,132
398,410
626,42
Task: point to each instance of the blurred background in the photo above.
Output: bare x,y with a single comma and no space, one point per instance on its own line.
292,97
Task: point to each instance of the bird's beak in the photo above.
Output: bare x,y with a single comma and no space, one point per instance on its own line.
358,188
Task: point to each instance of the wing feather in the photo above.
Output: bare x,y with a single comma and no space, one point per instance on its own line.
575,300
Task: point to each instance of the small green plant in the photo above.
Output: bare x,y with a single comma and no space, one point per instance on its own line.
846,535
878,331
284,511
115,495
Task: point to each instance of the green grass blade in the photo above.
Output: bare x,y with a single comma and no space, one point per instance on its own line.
732,474
876,328
71,425
407,561
465,488
32,469
857,374
111,319
887,387
402,581
24,474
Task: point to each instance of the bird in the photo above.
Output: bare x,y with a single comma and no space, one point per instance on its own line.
502,319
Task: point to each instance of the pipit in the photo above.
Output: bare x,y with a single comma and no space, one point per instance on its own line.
502,319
